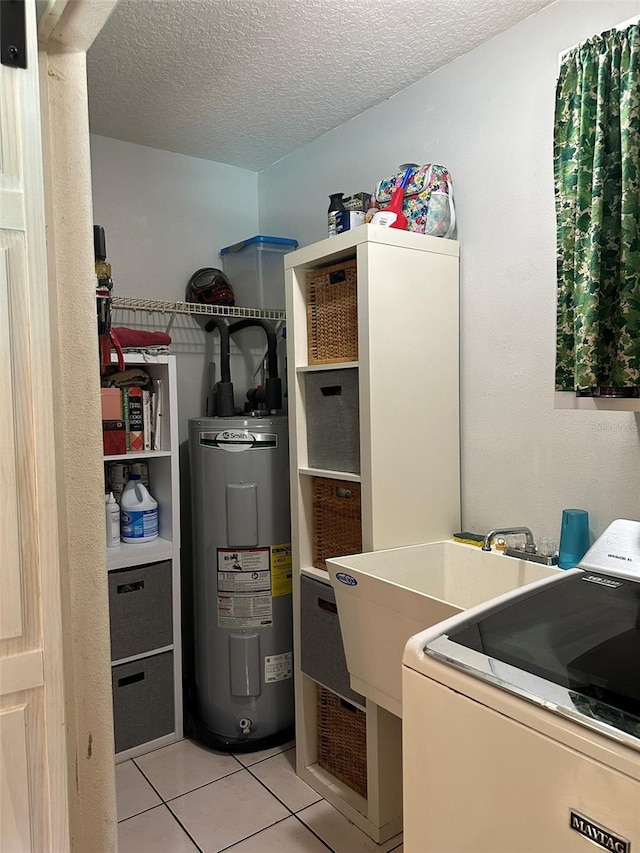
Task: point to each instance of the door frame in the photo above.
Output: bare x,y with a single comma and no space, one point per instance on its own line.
66,30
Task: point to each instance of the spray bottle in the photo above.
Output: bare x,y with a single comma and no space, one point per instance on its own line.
336,207
112,518
392,215
372,208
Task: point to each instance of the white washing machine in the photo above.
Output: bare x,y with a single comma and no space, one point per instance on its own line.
521,717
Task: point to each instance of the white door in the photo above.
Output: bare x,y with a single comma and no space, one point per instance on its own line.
33,780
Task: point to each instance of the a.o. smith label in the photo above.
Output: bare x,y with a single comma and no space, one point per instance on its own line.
600,835
238,440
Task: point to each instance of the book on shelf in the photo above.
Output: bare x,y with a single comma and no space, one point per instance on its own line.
156,414
146,420
125,417
114,439
133,409
134,418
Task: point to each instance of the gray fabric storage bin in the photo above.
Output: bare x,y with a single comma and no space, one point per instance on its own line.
333,422
321,650
140,609
143,700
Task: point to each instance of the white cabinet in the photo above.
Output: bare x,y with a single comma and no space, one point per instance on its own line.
401,398
144,594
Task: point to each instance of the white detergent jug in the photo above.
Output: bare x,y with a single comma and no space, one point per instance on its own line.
138,513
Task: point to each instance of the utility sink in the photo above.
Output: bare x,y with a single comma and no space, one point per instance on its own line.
385,597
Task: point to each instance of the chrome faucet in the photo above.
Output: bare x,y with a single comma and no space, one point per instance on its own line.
529,547
529,552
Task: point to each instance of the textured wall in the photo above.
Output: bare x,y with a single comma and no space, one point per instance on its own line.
165,216
270,75
489,117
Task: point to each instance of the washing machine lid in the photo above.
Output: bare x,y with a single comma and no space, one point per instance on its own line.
572,645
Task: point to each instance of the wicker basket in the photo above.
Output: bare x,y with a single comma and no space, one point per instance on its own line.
337,520
332,314
342,740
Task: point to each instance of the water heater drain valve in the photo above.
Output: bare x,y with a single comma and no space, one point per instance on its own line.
245,725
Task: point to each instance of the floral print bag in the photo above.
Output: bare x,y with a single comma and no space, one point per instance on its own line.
428,200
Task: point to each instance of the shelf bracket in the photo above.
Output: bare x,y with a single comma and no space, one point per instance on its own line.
172,317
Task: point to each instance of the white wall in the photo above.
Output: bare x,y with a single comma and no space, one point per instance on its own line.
489,118
166,215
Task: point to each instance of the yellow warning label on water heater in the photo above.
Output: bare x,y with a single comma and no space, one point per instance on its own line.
281,569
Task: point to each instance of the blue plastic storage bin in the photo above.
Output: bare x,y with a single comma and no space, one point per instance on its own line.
256,270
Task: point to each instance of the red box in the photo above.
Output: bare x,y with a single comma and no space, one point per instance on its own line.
114,438
111,399
114,435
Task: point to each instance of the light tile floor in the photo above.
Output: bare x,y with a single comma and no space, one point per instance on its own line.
186,798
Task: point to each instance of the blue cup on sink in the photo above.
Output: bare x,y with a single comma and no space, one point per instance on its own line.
574,537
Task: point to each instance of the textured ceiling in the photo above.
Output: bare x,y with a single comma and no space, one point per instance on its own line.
245,82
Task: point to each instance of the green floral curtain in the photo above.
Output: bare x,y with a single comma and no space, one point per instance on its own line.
597,187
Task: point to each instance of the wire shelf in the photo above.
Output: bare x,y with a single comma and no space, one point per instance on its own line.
161,306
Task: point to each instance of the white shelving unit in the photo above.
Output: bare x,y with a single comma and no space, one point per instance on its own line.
407,388
147,576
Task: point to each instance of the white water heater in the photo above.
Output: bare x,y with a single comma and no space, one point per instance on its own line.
242,581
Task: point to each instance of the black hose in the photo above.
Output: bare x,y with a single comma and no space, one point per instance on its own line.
223,391
272,351
223,328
